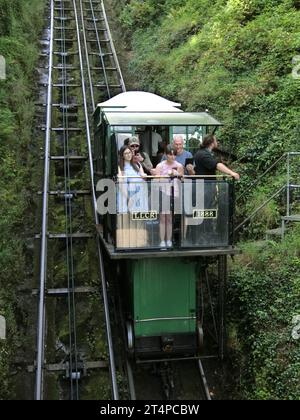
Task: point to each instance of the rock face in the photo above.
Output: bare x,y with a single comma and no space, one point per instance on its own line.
2,328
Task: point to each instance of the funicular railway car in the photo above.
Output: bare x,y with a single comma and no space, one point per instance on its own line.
159,284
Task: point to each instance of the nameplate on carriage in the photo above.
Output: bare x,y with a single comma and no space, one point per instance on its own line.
205,214
144,215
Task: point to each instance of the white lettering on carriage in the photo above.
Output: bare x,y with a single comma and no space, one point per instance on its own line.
189,199
106,202
205,214
149,215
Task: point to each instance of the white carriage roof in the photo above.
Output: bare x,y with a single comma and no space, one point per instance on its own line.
116,118
140,102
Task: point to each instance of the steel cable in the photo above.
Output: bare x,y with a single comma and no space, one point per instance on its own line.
68,217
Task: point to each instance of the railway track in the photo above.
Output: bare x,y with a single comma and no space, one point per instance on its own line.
82,70
172,380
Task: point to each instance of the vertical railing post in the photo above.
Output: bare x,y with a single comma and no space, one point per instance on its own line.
172,203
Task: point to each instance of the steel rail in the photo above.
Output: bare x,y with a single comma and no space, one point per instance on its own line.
43,261
130,381
119,320
113,373
87,58
204,381
65,140
112,46
100,50
68,221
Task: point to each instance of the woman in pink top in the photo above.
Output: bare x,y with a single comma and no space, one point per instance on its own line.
169,168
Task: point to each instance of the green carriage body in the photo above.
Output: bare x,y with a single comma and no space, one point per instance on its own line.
170,286
163,305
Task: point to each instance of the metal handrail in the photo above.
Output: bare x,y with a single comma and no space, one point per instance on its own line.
287,186
261,176
258,209
177,176
286,154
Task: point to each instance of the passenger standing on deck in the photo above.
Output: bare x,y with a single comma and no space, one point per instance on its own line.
139,156
205,162
182,155
133,191
207,165
168,168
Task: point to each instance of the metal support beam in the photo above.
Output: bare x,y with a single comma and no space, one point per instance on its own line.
222,275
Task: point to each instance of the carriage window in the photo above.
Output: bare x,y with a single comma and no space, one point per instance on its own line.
122,128
150,138
180,130
206,220
121,137
192,136
195,136
122,133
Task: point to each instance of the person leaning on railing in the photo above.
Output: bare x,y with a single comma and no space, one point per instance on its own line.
205,162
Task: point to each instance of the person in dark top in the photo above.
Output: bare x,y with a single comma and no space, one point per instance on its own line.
205,162
161,151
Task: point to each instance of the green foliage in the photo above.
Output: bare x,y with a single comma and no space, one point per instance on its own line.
265,296
20,24
138,14
231,57
234,58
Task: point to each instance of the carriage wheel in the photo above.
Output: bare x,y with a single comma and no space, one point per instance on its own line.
130,337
